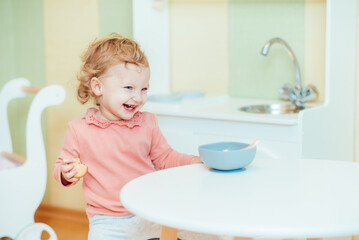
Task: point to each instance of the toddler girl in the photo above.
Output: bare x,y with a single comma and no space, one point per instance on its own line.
116,141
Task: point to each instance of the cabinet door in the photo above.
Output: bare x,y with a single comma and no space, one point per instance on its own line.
265,149
181,140
186,135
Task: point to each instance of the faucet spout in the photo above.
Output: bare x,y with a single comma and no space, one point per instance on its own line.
298,95
265,50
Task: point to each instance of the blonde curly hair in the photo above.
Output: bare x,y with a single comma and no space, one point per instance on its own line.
101,55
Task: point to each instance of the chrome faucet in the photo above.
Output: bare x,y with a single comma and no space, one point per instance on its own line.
297,94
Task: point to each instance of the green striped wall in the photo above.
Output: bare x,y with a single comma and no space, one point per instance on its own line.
251,24
22,55
7,56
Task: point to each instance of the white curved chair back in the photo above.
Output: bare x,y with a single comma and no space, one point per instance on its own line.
10,91
22,188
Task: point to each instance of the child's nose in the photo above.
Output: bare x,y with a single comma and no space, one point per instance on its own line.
137,96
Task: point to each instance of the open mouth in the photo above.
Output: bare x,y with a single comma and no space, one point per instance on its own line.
129,107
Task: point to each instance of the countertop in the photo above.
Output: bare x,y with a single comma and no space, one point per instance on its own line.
220,107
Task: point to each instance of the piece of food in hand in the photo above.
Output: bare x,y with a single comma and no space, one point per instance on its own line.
81,168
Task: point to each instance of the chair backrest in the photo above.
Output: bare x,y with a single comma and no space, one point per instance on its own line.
22,188
11,90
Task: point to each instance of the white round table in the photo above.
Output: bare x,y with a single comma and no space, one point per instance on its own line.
304,198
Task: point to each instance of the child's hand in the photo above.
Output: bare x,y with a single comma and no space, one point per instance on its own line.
196,159
68,170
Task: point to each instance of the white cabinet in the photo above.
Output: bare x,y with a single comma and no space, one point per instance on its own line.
326,132
312,133
186,134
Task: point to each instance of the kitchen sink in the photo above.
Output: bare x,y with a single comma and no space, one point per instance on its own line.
274,109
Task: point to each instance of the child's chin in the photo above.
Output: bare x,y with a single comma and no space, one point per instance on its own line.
128,116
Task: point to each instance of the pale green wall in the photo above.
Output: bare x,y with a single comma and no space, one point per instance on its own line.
7,58
251,24
22,55
115,16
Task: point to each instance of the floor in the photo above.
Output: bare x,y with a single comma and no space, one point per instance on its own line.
68,224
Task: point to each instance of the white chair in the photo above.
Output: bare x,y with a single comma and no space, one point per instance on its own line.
22,187
10,91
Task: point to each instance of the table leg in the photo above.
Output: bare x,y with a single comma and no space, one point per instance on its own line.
168,233
242,238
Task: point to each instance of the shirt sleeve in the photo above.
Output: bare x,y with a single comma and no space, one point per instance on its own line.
70,149
162,155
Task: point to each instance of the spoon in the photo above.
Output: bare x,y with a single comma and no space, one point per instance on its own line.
253,144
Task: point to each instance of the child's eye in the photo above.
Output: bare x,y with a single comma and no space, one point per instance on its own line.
129,87
144,89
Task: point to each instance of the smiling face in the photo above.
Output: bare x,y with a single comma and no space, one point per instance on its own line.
121,91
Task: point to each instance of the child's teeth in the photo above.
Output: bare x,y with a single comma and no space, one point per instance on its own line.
130,106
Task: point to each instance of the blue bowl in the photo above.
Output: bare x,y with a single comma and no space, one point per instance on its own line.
227,155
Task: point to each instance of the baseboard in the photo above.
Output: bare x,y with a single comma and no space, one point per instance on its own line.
47,211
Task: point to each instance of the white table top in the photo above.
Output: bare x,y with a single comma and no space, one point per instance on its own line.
304,198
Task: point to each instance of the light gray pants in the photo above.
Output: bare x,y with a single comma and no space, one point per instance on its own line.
134,228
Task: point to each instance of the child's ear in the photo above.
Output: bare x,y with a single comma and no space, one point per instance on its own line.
96,86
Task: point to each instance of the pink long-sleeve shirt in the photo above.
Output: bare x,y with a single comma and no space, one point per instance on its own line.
115,152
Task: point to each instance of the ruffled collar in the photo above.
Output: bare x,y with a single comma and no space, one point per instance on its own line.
92,118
